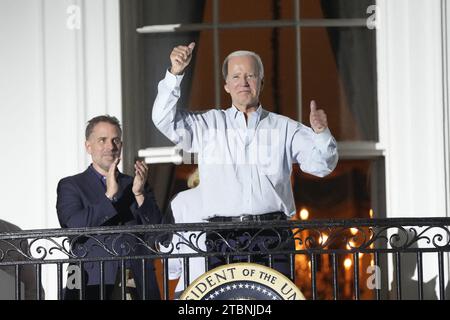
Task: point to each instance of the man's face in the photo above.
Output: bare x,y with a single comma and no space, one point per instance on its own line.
243,82
104,145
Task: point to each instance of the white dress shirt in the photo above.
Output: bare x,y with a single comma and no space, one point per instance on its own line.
244,167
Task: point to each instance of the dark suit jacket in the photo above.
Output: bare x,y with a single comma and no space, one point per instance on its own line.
82,203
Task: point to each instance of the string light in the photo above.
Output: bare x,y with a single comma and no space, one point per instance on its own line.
324,238
350,245
304,214
348,263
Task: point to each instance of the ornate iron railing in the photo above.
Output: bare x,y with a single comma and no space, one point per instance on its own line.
329,259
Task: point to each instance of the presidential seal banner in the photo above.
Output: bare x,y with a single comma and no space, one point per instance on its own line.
242,281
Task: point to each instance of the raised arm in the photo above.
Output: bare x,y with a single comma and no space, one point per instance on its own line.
182,127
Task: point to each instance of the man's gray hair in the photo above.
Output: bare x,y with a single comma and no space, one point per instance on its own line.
241,53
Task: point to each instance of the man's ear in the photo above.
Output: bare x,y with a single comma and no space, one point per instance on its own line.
262,85
225,86
87,145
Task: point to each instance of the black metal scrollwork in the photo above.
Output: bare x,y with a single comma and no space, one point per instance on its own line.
348,235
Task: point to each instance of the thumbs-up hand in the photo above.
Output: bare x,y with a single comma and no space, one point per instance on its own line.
180,57
317,118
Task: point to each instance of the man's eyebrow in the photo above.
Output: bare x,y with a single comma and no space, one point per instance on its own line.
104,137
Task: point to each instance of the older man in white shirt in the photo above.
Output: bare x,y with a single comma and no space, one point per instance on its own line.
245,152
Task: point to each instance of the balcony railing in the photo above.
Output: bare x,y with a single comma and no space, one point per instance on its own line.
330,259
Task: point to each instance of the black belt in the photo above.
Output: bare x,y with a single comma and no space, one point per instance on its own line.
248,217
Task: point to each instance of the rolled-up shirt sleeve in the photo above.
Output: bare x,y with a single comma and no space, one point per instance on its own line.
316,153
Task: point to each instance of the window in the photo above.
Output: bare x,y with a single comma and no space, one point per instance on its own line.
311,49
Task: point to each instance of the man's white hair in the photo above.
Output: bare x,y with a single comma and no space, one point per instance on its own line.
241,53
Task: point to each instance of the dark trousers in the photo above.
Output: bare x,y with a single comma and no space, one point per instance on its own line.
235,244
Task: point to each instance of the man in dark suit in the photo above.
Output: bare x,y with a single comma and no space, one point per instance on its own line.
103,196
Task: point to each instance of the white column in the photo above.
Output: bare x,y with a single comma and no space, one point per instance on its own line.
411,109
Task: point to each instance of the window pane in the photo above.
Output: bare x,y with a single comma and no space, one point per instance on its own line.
339,72
335,9
350,191
238,10
202,92
172,11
